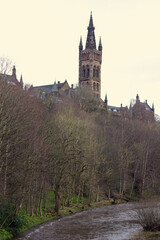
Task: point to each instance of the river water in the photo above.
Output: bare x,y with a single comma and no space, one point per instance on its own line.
115,222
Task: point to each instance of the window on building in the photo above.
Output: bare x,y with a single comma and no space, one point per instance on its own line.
94,86
97,87
87,71
94,71
84,71
97,72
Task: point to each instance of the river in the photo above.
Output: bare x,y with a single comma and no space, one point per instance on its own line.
115,222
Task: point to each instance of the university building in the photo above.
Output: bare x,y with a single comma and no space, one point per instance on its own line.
12,79
90,60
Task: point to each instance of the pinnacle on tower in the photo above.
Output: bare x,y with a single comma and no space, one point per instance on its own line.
91,22
80,45
91,42
100,45
21,81
106,99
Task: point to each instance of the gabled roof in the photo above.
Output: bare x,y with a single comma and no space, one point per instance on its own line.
143,104
142,111
53,88
147,107
44,87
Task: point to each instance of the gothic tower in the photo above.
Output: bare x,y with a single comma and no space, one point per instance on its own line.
90,60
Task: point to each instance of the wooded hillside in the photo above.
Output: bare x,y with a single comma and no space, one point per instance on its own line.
68,149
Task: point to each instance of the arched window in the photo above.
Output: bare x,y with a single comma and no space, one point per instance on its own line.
94,71
94,86
84,71
97,87
87,71
97,72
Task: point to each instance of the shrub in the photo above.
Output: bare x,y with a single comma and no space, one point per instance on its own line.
149,218
10,221
5,235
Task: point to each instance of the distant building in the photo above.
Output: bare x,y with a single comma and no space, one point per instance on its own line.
59,90
141,110
12,79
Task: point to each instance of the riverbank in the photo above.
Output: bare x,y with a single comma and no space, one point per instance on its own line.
147,236
149,218
34,221
108,222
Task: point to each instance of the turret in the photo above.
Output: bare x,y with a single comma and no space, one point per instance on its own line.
106,102
80,45
100,45
21,81
106,99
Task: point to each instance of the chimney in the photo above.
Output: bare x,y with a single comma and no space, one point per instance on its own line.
72,86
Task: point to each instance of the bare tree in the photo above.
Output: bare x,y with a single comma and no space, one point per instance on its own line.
6,65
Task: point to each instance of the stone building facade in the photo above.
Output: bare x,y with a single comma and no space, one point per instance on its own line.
142,110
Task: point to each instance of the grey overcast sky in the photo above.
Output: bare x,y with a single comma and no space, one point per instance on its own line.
42,38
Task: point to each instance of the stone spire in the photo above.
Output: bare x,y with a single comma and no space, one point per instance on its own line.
21,81
106,99
100,45
80,45
91,42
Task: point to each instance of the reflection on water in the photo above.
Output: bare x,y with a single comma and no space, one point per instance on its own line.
116,222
